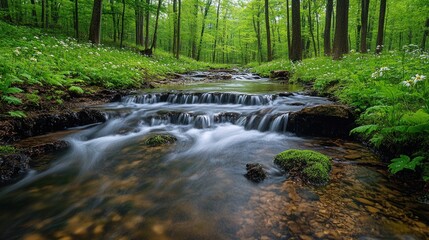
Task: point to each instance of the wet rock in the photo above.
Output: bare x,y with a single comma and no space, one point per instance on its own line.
280,75
46,148
45,123
12,167
255,172
324,120
285,94
353,156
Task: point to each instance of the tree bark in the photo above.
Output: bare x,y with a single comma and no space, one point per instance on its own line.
115,28
155,32
341,29
216,32
43,13
288,26
257,28
206,11
146,40
76,19
179,19
296,47
268,31
364,28
174,27
380,34
425,35
33,11
310,24
95,26
327,32
193,26
4,9
123,24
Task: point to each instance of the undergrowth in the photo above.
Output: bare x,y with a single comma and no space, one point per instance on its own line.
390,92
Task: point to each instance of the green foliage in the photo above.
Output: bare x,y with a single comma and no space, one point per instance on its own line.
7,149
312,166
76,89
17,114
404,162
159,140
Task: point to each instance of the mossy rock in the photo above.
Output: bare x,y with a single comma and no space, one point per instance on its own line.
159,139
313,167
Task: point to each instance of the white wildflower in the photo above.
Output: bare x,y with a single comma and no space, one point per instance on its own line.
24,38
407,83
418,78
39,53
17,52
33,59
36,37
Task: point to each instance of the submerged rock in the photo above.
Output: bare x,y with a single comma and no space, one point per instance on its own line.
323,120
313,167
12,167
160,139
255,172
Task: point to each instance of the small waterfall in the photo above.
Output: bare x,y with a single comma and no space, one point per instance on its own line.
280,123
202,98
202,121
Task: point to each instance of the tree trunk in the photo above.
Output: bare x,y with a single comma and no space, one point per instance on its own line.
33,11
216,32
146,40
139,23
76,19
4,10
179,19
267,27
43,13
341,29
155,32
310,24
296,48
206,11
95,27
380,34
425,34
123,24
317,31
257,27
174,27
364,29
288,26
115,28
194,30
327,32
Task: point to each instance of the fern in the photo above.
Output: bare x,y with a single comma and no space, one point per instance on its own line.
17,114
11,100
404,162
76,89
365,130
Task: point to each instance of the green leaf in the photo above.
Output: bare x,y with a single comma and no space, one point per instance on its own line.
13,90
17,114
11,100
365,130
76,89
404,162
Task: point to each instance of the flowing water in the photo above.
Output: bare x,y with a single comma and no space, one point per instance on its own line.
110,185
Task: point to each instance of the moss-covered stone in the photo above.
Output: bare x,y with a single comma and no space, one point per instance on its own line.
311,166
7,149
160,139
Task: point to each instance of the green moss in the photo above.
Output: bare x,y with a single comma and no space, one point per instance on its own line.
312,166
7,149
159,140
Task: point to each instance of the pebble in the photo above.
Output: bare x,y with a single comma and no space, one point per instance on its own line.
352,156
364,201
33,236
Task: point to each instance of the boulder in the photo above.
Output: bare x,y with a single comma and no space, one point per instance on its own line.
255,172
280,75
12,167
160,139
311,166
323,120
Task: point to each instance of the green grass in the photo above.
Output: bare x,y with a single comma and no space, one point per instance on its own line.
389,91
29,57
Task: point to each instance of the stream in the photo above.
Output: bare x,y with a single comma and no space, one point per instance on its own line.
110,185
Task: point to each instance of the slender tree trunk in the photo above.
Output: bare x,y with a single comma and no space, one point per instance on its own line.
115,29
358,26
296,47
146,41
380,34
123,24
43,13
47,14
288,27
95,27
155,32
257,27
33,11
317,30
341,29
327,32
139,23
216,32
76,19
206,11
174,27
364,29
267,27
194,30
179,19
310,24
425,34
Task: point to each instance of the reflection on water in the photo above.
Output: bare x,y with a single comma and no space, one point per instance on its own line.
110,185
